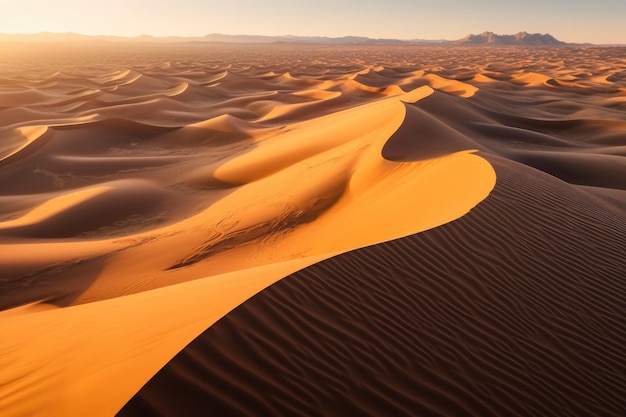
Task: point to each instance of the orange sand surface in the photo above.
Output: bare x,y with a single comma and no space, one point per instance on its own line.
150,192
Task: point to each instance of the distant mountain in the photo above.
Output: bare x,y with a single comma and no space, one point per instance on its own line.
521,38
485,38
213,37
217,37
48,37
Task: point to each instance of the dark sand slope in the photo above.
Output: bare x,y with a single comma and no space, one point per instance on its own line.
515,309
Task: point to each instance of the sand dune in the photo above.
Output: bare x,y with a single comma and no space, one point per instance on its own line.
493,314
336,230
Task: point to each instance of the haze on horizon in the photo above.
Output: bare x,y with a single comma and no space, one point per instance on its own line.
600,22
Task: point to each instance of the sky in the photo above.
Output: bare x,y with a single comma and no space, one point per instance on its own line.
597,21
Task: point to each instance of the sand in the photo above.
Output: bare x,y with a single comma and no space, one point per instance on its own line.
206,229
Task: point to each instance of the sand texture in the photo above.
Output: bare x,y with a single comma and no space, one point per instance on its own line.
228,230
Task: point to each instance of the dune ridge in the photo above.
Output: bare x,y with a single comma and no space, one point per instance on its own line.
148,192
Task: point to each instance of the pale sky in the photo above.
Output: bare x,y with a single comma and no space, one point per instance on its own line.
597,21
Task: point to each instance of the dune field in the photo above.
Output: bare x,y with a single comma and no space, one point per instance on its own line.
206,229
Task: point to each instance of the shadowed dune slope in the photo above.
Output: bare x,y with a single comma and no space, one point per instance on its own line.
514,309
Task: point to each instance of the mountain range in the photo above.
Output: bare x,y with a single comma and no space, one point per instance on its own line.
521,38
484,39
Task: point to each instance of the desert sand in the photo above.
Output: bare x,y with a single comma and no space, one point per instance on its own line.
212,229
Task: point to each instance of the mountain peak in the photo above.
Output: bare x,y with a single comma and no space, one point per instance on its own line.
520,38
